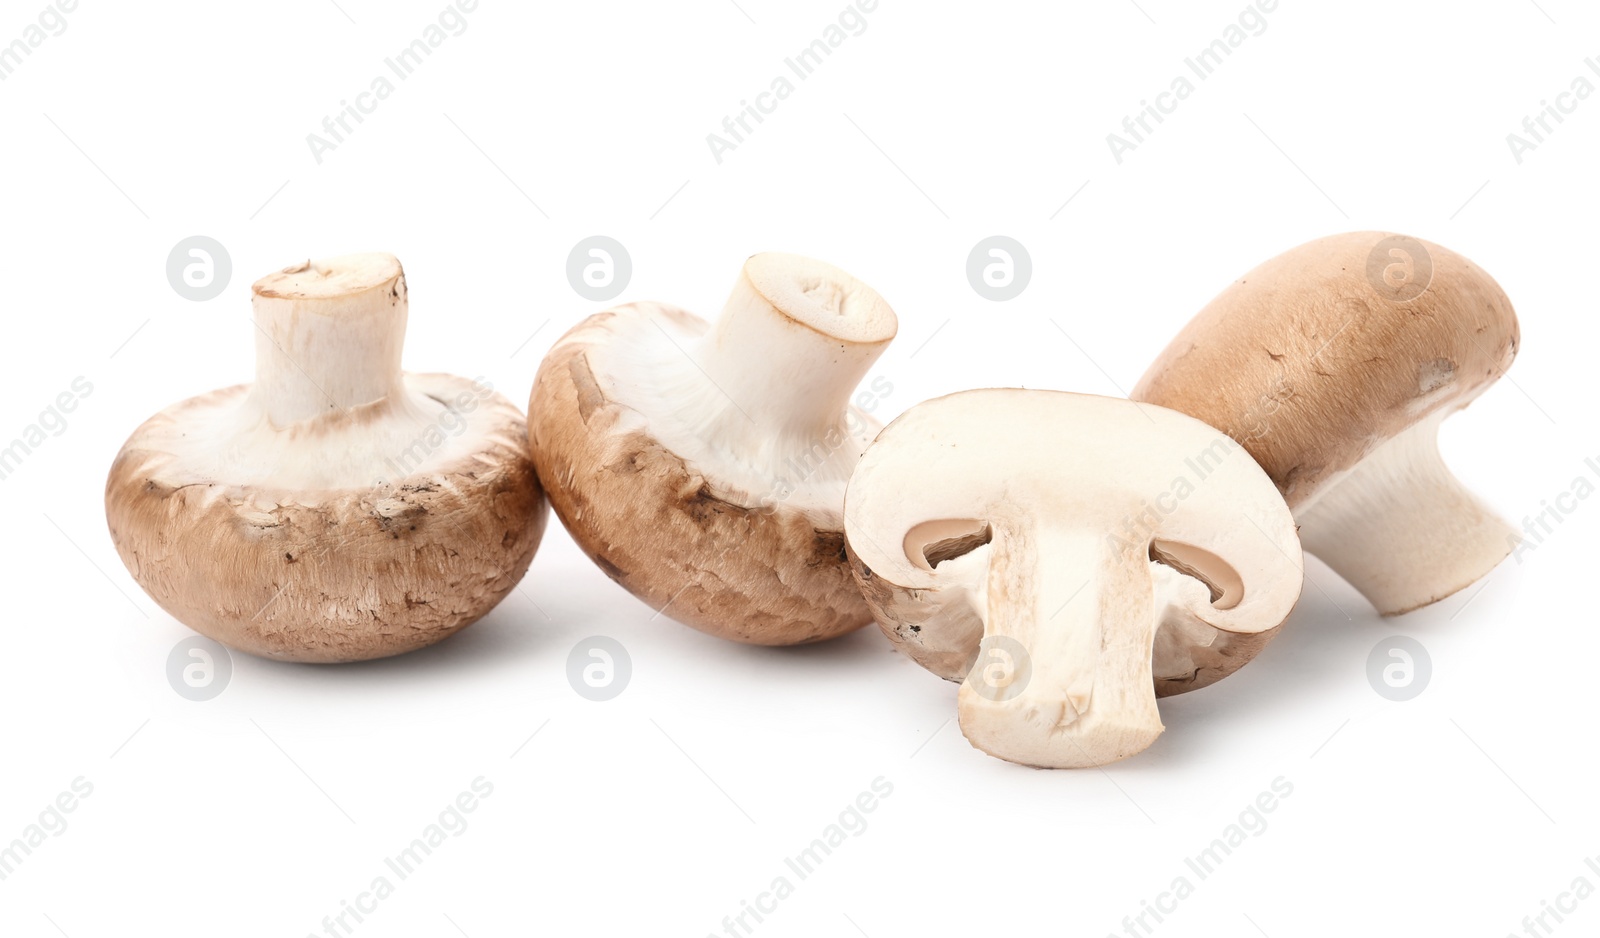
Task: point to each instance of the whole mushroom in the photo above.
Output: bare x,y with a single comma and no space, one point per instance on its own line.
703,467
337,509
1057,552
1334,364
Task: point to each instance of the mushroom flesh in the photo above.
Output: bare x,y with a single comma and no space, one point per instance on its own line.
1057,552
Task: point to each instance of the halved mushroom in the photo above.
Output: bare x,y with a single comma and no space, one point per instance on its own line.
1062,542
703,467
1334,364
337,509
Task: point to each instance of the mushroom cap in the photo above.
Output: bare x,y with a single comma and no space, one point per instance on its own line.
1317,357
333,554
338,509
702,530
953,514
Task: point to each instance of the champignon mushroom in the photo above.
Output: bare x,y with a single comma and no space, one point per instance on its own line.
1085,536
703,467
337,509
1334,364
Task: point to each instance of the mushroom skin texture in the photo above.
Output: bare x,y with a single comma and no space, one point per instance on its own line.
1055,552
703,467
338,509
1334,364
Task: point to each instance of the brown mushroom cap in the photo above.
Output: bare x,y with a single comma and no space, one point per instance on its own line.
703,467
365,528
1346,348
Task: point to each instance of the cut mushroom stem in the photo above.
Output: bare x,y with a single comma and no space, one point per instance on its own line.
1082,696
1401,528
795,338
329,336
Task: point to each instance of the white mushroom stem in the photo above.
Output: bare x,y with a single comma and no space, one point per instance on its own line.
794,340
1401,529
1082,696
328,336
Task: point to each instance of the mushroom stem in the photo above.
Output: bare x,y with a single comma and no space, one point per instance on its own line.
1083,693
328,336
1401,529
795,338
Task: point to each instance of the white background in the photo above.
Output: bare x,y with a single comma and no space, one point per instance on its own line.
659,812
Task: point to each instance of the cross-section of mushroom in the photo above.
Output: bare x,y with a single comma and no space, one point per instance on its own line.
1334,364
1073,529
338,508
703,466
